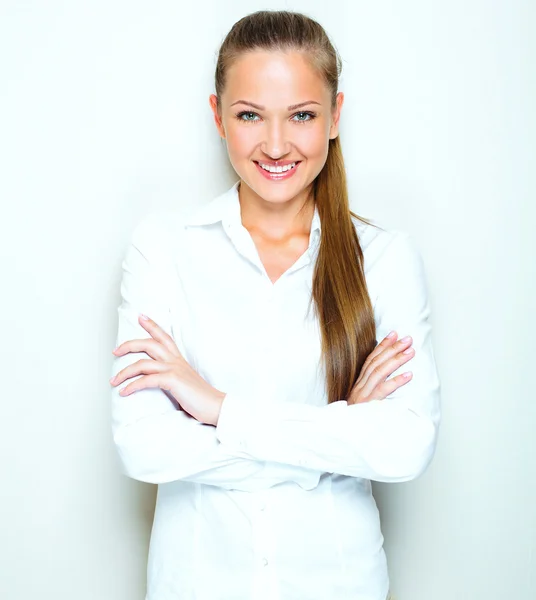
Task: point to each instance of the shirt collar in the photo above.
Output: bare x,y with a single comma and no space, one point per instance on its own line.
226,208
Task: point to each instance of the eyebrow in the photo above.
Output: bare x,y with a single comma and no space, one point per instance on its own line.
259,107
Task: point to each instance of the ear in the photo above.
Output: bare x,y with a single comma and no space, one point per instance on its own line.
213,99
335,118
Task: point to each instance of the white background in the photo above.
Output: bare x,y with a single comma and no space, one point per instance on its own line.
104,117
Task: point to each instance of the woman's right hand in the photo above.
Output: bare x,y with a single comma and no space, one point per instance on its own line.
385,359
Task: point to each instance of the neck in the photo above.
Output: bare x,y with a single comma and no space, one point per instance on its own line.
277,219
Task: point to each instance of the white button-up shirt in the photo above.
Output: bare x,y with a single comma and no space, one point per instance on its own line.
275,502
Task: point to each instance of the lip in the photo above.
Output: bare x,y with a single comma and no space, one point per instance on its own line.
279,176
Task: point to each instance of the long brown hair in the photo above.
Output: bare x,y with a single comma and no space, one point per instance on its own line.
342,302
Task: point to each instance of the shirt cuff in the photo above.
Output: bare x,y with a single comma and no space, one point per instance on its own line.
228,429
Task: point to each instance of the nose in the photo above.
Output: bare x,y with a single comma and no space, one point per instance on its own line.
275,143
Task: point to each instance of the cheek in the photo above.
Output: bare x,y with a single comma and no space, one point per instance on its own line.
241,139
312,142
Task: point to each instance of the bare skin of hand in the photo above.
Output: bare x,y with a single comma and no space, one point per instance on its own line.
168,369
386,358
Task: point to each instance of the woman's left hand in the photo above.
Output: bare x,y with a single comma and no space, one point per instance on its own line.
169,371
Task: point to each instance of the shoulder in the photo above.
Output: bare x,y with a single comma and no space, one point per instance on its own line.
378,241
387,250
392,261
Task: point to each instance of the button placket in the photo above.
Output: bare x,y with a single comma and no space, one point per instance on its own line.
263,546
269,320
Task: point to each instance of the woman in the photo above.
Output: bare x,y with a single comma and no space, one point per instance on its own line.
263,422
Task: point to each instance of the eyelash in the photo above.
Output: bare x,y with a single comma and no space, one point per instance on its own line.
249,112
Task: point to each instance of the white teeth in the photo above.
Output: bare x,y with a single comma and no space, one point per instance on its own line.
277,169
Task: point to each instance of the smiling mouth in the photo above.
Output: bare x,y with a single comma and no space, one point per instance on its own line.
279,172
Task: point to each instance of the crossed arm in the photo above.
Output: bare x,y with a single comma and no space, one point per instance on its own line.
389,440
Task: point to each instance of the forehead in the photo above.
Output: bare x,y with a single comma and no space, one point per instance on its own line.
273,78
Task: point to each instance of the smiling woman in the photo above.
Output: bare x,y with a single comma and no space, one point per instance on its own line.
263,423
277,132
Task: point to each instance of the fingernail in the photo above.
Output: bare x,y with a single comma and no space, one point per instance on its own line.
405,339
112,379
408,351
144,317
406,375
390,335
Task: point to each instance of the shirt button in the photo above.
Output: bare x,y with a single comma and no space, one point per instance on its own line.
265,561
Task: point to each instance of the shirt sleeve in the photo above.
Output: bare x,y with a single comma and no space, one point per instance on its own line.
389,440
156,440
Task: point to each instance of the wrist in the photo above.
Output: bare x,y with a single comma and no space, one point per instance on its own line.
218,401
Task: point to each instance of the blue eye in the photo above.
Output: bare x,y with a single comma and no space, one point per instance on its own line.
311,115
239,116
